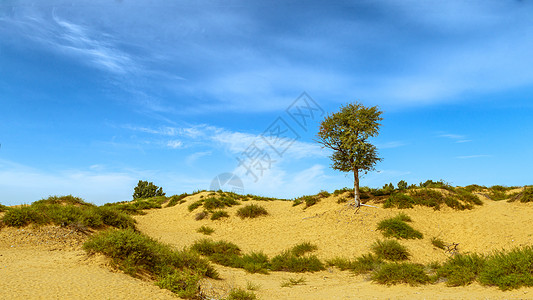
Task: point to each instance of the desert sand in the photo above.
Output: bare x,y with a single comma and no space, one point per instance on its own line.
48,262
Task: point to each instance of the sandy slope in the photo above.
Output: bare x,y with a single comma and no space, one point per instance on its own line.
48,263
338,232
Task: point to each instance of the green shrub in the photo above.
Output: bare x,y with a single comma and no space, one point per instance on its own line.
509,270
176,199
527,195
136,253
288,262
438,243
3,208
292,281
396,273
461,269
65,200
22,216
115,218
255,262
221,252
145,189
308,200
362,264
251,211
205,230
240,294
390,250
341,191
303,248
195,205
219,214
402,185
398,228
184,284
399,200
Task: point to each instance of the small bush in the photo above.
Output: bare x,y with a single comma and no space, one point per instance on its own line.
255,262
509,270
22,216
63,200
361,265
399,200
303,248
176,199
308,200
205,230
438,243
219,214
145,189
195,205
292,282
396,273
527,195
288,262
184,284
461,269
390,250
240,294
398,228
221,252
3,208
402,185
251,211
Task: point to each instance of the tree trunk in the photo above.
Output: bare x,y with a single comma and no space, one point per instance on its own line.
357,195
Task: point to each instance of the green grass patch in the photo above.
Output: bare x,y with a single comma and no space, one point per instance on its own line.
195,205
360,265
219,214
461,269
205,230
240,294
438,243
397,273
3,208
390,250
397,227
66,211
509,269
251,211
399,200
292,281
137,254
255,262
288,262
303,248
176,199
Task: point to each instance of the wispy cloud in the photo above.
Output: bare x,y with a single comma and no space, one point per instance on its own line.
456,137
392,144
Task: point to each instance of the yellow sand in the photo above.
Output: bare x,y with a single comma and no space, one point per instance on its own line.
338,231
48,263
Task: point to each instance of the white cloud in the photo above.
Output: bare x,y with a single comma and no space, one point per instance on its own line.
175,144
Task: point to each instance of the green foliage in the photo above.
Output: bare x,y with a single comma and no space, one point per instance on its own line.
145,189
137,206
438,243
3,208
184,284
288,262
221,252
342,191
399,200
475,188
205,230
255,262
176,199
219,214
509,270
397,273
461,269
66,211
292,281
240,294
303,248
402,185
525,196
251,211
310,200
135,254
398,228
195,205
360,265
390,250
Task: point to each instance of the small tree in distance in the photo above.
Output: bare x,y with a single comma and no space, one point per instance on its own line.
346,132
145,189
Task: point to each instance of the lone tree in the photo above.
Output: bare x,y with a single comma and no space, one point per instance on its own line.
145,189
346,132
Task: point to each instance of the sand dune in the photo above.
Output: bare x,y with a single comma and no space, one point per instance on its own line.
49,263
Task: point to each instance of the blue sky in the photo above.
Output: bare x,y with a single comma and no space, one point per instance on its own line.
96,95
